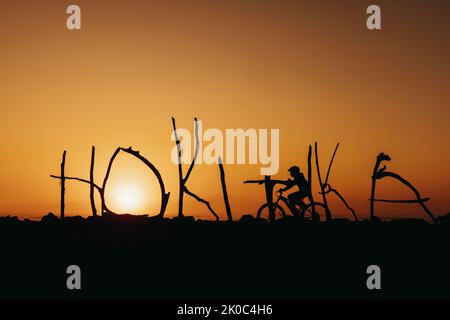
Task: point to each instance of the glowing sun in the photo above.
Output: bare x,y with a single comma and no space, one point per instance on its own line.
127,197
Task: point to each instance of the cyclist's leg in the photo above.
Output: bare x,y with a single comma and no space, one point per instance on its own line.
303,194
293,201
303,207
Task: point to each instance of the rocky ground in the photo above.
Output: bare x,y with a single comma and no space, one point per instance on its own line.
137,257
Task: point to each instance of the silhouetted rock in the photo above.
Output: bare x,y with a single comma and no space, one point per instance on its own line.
49,218
341,221
74,219
248,218
408,222
125,218
187,219
9,220
376,220
444,219
249,258
28,221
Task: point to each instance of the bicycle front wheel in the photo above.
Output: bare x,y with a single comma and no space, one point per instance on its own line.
263,212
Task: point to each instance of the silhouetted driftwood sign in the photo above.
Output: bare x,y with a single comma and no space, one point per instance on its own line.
326,189
101,190
183,180
380,173
164,195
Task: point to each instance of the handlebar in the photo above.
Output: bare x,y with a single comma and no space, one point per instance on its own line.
265,181
254,181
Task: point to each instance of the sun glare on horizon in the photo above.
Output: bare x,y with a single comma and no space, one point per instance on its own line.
127,197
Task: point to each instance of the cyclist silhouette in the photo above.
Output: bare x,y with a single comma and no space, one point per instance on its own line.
299,180
272,208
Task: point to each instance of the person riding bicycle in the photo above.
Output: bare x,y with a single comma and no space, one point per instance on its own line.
299,180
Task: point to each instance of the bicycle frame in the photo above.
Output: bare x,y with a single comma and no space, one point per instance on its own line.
287,203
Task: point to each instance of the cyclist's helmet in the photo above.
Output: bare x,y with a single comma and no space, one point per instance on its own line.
294,170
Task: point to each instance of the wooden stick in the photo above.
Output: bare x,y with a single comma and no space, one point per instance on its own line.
105,209
224,190
264,181
63,184
402,201
330,189
99,189
182,181
202,201
310,195
91,176
331,163
78,179
373,186
268,187
324,197
180,171
164,196
383,174
197,143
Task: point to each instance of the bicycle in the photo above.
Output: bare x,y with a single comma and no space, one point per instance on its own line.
305,210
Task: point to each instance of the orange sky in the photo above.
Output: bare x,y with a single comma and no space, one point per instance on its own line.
312,70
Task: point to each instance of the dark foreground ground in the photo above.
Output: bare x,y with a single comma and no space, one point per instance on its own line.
138,258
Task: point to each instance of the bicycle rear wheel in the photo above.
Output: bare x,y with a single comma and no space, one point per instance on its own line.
319,208
263,212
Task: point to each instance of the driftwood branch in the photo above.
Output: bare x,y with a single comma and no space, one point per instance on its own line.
183,180
322,186
331,163
410,186
268,188
380,158
402,201
224,191
330,189
180,171
105,209
382,173
91,177
202,201
273,182
197,143
63,184
164,196
77,179
310,195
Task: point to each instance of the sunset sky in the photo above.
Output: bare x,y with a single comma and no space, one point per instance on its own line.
310,69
